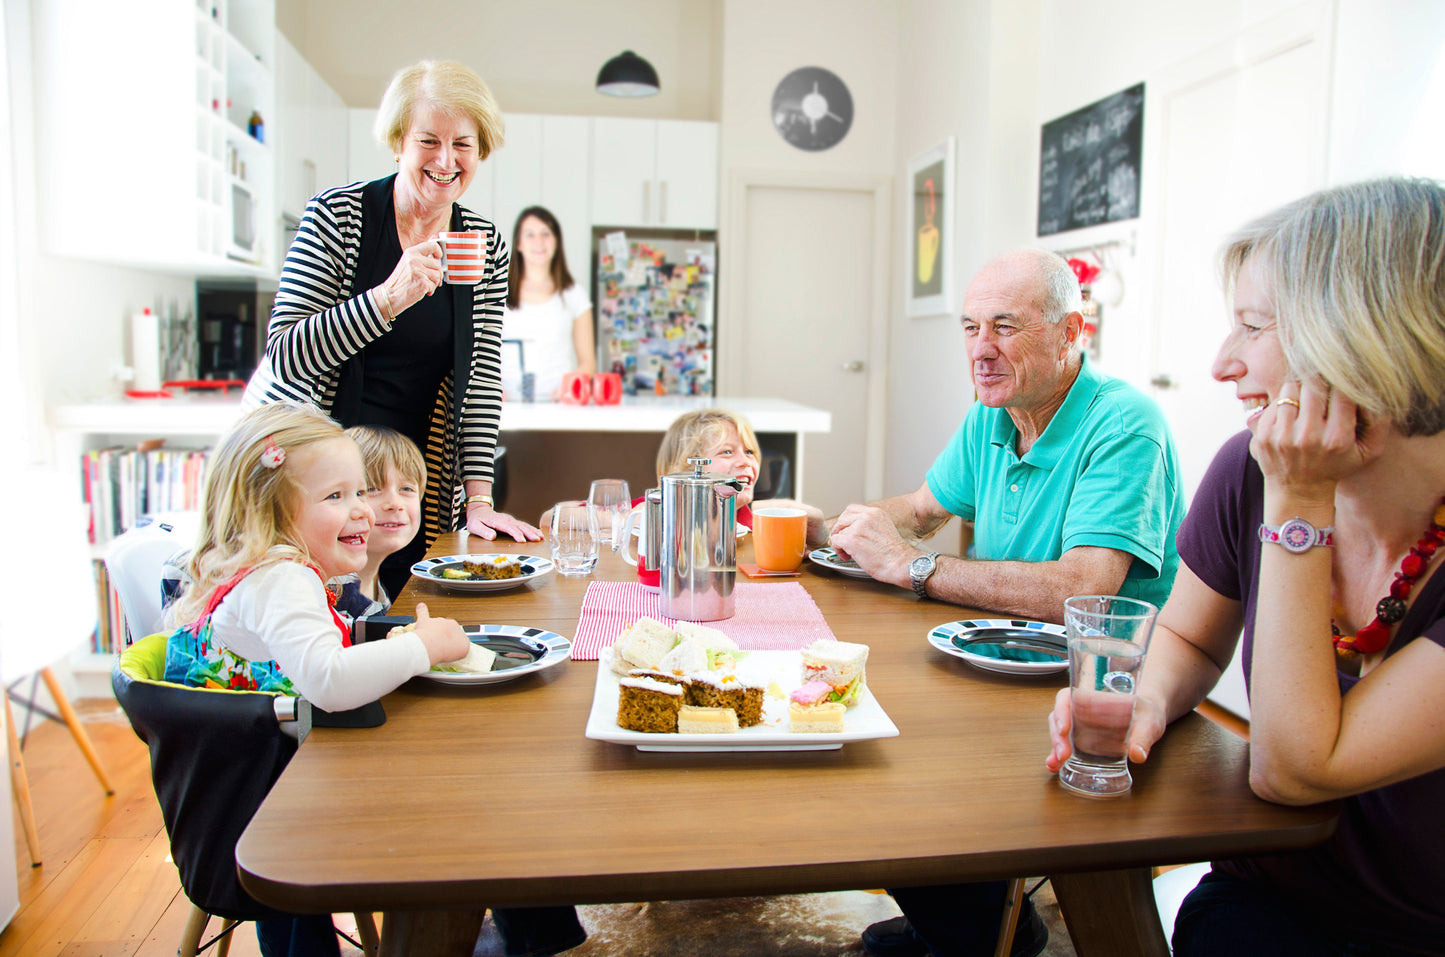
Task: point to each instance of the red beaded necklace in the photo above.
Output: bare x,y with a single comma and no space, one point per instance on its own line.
1390,609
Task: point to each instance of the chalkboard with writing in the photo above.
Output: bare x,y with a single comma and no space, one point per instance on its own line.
1089,164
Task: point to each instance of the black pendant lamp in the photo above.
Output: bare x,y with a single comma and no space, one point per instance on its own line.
627,74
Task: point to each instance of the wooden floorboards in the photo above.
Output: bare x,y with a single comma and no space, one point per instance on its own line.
106,886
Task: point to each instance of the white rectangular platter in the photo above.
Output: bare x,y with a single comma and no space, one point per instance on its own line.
863,721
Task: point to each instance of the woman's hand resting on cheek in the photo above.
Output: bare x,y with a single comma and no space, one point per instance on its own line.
1310,437
1147,728
443,637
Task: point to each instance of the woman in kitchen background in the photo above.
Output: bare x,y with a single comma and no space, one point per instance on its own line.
364,327
548,315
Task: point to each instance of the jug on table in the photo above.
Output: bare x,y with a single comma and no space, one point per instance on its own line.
647,516
698,561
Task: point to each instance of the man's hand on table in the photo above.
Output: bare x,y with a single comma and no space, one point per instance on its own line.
868,536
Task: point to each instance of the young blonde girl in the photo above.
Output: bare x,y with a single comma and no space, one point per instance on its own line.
396,482
286,510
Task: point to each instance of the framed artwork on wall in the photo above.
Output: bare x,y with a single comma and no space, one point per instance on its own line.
930,231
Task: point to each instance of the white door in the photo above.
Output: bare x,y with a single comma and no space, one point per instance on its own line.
813,272
687,174
1241,130
624,156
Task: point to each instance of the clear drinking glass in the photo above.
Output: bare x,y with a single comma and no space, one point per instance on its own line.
573,538
612,501
1108,636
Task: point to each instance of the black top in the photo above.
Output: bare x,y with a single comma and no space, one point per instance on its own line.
402,370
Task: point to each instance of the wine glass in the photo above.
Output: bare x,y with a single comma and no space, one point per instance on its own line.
612,501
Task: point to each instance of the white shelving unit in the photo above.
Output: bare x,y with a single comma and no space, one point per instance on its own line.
182,422
169,87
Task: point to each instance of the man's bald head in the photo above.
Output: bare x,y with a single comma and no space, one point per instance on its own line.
1053,283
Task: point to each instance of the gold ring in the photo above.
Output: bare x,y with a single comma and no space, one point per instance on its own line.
1286,402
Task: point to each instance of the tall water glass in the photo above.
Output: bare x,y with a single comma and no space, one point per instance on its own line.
612,502
1108,636
572,538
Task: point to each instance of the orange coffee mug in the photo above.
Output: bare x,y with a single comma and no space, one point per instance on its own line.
464,256
779,536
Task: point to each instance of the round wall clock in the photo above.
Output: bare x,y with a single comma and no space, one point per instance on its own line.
812,108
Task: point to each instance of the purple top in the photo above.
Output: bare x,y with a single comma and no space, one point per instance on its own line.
1381,877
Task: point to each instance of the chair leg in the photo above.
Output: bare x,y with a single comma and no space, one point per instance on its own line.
77,730
223,943
191,935
1013,905
20,785
366,932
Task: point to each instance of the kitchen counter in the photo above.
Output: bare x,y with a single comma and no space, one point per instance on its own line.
211,415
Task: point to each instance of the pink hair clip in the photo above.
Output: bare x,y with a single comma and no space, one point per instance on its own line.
272,455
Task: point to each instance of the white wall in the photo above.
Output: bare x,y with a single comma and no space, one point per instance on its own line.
541,56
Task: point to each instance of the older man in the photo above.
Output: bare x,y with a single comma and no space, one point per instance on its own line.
1072,483
1070,477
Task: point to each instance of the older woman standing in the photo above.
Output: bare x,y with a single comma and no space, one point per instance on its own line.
363,325
1317,533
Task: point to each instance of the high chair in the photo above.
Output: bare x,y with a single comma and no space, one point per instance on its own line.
214,755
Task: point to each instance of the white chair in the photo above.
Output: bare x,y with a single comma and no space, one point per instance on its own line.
134,561
49,568
1170,889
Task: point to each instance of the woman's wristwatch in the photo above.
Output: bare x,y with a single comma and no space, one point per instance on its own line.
1296,535
486,500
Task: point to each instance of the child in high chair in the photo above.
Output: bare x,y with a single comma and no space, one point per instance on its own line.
286,511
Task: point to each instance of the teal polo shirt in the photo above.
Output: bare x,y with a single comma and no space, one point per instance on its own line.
1105,473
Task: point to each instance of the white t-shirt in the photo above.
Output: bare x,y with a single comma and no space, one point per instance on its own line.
545,329
280,612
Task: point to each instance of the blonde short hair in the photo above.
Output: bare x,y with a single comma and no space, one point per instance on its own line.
692,433
448,85
1357,277
383,449
246,513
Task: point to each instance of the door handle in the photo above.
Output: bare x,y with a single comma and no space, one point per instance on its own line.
662,201
855,366
646,200
1162,381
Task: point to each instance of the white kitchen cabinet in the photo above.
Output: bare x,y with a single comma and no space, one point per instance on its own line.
654,173
311,131
168,87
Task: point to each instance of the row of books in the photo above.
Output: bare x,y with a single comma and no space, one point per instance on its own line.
123,484
110,632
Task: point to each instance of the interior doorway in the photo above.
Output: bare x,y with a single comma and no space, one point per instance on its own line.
806,318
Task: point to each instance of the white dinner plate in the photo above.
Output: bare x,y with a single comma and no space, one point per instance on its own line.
1009,646
533,567
864,721
520,651
828,558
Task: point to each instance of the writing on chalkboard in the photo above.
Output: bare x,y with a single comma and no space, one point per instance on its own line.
1089,164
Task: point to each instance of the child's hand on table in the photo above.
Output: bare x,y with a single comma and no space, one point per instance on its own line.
443,637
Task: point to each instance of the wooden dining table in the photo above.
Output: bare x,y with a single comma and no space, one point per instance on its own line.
491,796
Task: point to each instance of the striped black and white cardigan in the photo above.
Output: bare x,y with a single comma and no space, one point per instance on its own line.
316,325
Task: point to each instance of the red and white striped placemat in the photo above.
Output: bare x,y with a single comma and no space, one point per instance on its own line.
767,617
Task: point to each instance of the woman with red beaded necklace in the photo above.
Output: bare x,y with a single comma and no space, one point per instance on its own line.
1317,533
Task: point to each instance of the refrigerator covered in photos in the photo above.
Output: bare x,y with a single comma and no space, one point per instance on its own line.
654,302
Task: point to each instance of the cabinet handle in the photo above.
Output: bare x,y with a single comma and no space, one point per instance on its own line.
646,200
662,201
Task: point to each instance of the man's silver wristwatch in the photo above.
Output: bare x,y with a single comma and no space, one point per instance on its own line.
920,570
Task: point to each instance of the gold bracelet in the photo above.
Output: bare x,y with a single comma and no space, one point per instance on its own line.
486,500
384,303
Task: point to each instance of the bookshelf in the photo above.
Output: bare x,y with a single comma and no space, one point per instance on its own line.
184,422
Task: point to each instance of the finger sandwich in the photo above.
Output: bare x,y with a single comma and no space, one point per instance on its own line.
840,664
